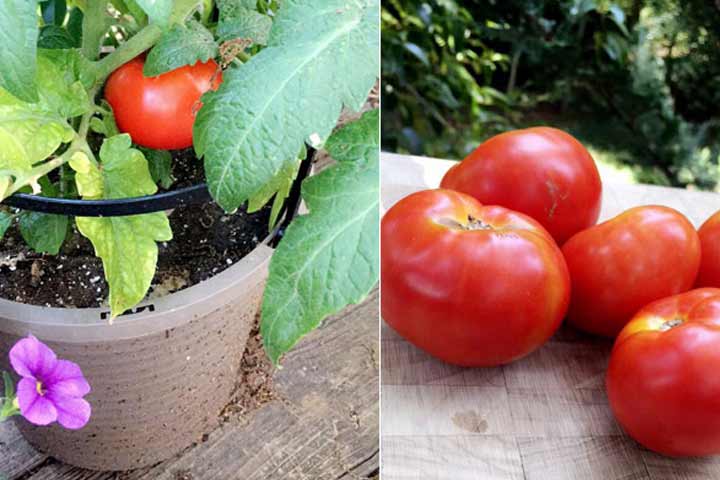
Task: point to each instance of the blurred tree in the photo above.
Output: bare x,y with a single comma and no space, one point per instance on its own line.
455,73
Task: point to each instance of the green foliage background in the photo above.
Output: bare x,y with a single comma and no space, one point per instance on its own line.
638,81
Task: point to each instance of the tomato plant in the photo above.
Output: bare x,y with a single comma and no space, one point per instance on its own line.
709,233
168,102
472,285
617,267
542,172
661,380
272,86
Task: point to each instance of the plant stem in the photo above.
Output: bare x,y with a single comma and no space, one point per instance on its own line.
145,38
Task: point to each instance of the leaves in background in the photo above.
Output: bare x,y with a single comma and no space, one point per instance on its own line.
293,90
126,245
328,258
18,37
53,11
160,164
180,46
52,36
43,232
6,219
158,10
239,19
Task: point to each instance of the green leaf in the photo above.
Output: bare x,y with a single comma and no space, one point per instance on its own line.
29,133
126,245
18,37
160,164
44,233
59,83
7,406
105,126
328,258
179,47
238,20
53,11
158,10
279,187
52,36
74,25
292,90
6,219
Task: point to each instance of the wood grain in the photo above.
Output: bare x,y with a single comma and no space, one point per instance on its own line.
324,424
544,417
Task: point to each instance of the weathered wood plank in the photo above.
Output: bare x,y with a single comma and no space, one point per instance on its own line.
444,410
586,458
466,457
661,468
403,364
16,456
324,423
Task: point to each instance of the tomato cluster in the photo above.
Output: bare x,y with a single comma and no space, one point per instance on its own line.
483,270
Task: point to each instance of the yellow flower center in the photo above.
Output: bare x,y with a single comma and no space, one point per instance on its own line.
39,388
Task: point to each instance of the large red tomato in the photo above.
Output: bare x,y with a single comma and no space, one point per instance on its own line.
617,267
663,382
472,285
709,233
542,172
158,112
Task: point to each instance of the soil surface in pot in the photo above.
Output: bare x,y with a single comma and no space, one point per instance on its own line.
206,241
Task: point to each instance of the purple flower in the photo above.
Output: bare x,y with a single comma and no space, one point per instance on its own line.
51,389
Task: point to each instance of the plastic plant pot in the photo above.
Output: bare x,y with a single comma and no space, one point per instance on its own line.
161,373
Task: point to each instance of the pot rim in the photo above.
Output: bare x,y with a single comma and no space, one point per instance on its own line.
83,325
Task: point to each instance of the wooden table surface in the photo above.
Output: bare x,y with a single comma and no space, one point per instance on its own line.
323,425
545,417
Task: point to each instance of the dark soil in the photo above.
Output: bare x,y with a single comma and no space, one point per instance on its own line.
206,241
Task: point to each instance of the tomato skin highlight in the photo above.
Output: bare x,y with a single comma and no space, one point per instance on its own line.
663,385
542,172
159,112
480,297
709,233
642,255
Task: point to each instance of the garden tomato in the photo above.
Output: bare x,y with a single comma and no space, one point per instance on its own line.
662,381
617,267
472,285
158,112
709,233
542,172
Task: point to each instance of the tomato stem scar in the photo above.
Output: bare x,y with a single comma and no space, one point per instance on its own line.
671,324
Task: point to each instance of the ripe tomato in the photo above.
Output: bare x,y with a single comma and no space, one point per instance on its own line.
617,267
542,172
158,112
472,285
709,233
662,381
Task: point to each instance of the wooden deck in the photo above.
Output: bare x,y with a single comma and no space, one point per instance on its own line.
323,425
545,417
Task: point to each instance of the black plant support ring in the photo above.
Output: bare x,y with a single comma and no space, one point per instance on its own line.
195,194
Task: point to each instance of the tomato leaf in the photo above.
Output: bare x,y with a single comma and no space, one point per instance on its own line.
180,46
160,164
238,19
328,258
126,245
53,11
157,10
18,37
6,219
29,133
292,90
44,233
52,36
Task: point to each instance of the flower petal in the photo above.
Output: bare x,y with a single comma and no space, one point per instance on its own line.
30,357
67,379
72,413
34,407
